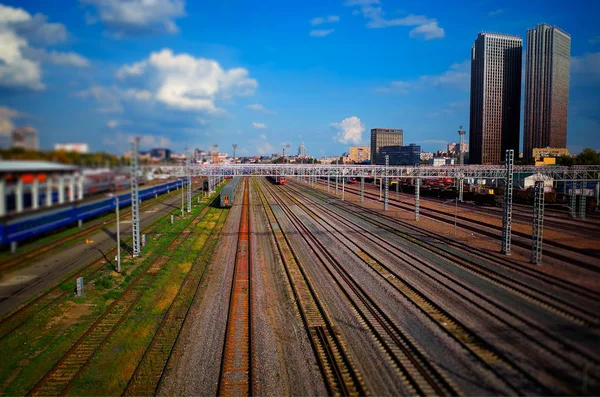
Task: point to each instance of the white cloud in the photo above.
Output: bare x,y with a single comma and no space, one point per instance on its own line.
585,69
184,82
428,31
56,57
349,130
137,17
121,141
320,20
321,32
140,95
426,28
495,12
112,123
19,61
594,40
7,115
263,148
260,108
109,98
457,76
263,136
258,125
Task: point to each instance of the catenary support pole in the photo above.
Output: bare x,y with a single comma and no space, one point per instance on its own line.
573,199
362,189
118,235
538,223
582,200
508,196
387,185
417,194
135,201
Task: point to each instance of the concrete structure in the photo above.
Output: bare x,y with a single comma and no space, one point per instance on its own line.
72,147
546,89
539,153
495,97
302,151
26,138
20,178
360,154
400,155
383,137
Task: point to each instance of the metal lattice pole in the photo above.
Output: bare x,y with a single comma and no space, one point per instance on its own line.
343,187
385,197
573,199
135,201
189,183
362,189
582,200
461,189
417,194
508,196
336,178
538,223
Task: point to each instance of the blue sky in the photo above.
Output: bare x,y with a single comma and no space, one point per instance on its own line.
266,73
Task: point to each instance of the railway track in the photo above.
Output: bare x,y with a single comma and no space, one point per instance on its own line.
235,377
58,379
575,357
420,374
340,375
54,295
90,228
524,241
151,368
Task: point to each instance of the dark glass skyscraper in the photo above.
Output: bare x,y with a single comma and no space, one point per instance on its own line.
546,89
495,97
383,137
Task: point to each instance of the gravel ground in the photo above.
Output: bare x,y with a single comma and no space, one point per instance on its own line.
519,255
284,361
518,346
196,360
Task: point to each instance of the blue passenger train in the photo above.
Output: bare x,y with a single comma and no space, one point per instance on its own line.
28,226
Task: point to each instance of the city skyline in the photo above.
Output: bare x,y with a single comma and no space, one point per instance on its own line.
86,70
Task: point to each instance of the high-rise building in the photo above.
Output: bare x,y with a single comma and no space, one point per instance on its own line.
495,97
547,66
383,137
302,150
360,154
72,147
26,138
400,155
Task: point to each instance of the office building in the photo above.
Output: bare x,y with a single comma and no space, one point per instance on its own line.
360,154
547,67
383,137
25,138
454,148
495,97
400,155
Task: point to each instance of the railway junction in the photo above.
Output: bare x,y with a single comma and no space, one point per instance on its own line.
251,287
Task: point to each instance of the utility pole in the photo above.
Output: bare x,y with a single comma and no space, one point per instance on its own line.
461,154
188,161
118,235
135,198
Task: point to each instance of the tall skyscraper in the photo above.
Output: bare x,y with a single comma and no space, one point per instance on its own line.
301,150
546,89
495,97
26,138
384,137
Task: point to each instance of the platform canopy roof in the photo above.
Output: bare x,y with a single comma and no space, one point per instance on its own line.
22,166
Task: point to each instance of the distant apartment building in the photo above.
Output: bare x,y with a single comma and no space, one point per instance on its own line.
540,153
25,138
383,137
441,161
72,147
547,67
360,154
454,148
301,150
426,156
400,155
495,97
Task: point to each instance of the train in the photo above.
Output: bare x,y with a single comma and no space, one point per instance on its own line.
228,193
278,179
24,227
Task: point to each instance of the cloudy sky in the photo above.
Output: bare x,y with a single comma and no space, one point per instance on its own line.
264,73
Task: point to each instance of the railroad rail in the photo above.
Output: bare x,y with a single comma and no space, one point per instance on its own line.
20,316
150,371
477,227
340,374
421,375
236,366
58,379
565,351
